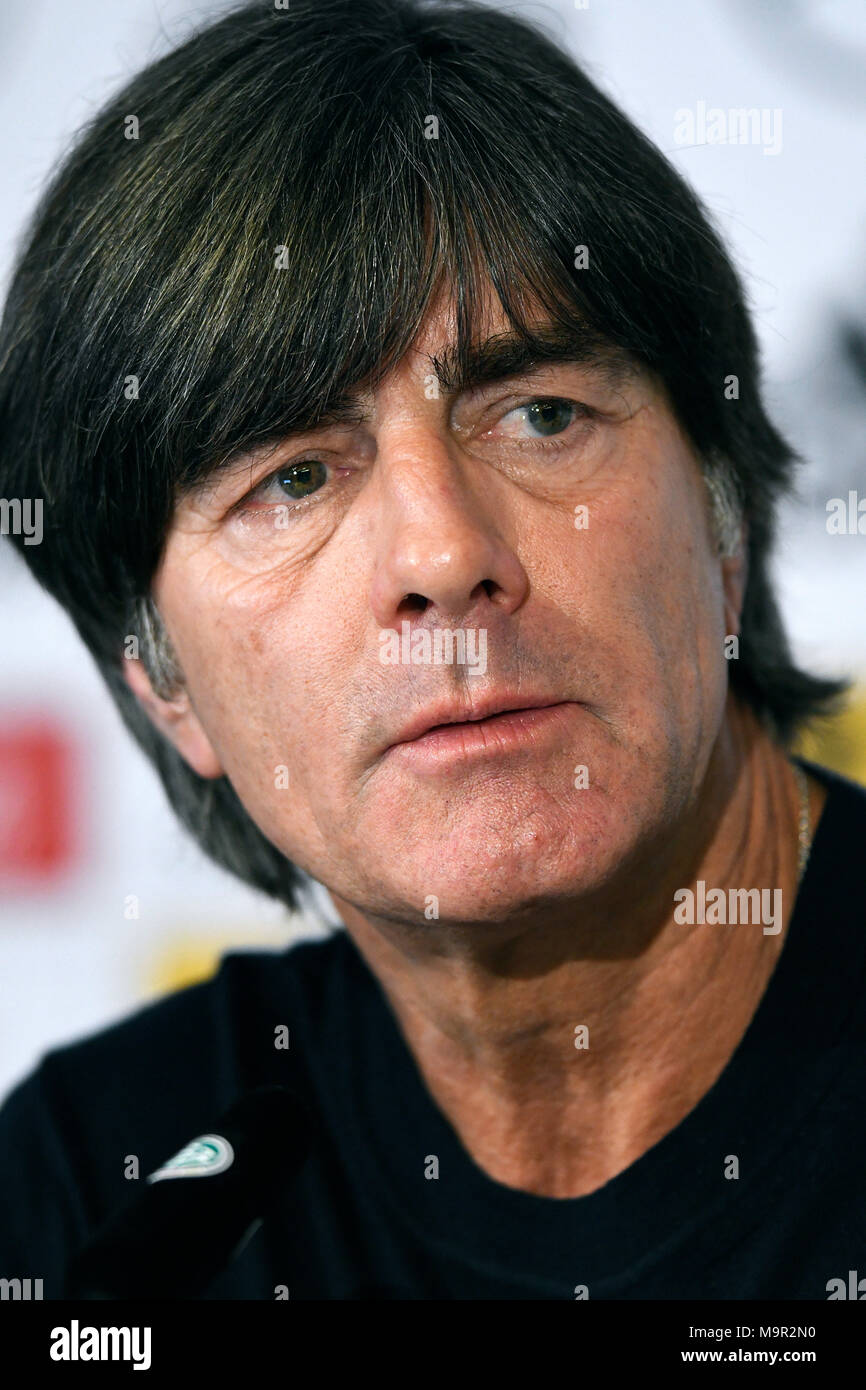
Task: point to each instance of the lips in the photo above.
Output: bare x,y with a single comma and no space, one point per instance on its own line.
442,716
489,734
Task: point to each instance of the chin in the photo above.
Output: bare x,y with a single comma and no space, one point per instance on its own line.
475,883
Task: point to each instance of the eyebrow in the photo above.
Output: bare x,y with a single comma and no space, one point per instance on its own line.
459,370
514,354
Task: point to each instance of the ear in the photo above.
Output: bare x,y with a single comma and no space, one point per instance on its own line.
176,719
735,576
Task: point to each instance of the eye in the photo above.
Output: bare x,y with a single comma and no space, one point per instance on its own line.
289,485
542,419
299,480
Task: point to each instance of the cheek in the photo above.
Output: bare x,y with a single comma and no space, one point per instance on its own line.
267,671
676,599
643,590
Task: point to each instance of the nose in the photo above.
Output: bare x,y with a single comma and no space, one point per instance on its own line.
441,549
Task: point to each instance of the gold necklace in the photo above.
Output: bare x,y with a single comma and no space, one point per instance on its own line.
805,823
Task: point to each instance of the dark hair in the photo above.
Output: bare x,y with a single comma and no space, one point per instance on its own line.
308,128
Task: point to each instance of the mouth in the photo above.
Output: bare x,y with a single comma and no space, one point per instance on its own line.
498,727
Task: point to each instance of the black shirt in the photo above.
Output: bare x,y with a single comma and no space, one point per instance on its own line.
362,1220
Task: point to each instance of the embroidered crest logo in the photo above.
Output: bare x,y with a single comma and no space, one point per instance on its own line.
201,1158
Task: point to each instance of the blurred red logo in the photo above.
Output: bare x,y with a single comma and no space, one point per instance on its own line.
37,837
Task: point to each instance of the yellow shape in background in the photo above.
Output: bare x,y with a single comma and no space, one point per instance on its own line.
183,963
840,741
190,955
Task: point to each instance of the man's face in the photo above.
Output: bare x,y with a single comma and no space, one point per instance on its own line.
573,533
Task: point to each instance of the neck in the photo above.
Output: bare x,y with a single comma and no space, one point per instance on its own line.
563,1046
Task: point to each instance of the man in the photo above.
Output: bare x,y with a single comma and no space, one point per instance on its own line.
377,392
